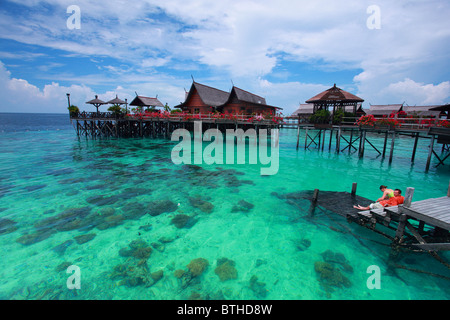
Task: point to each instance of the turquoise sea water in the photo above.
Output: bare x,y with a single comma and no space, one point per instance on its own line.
136,225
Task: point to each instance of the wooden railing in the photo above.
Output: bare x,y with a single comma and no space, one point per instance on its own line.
405,123
217,118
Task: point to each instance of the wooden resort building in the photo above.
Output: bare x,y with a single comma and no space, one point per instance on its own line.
384,110
244,102
203,99
423,111
206,99
146,102
337,99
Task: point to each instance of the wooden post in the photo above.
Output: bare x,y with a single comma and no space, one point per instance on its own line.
306,137
391,154
400,228
338,140
323,140
298,134
448,190
320,138
361,143
385,143
315,195
331,136
354,185
430,152
351,141
408,197
415,147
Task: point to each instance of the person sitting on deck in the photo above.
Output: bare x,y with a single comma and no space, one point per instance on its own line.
391,202
387,193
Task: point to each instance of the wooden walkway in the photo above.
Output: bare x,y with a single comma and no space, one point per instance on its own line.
434,212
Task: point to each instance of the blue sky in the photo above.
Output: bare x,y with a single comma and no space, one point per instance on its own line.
286,51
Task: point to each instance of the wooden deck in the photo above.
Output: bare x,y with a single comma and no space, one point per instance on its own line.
434,212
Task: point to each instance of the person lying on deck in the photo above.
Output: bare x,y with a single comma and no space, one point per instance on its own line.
391,202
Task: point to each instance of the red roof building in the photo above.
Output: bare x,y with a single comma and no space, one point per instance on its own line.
205,99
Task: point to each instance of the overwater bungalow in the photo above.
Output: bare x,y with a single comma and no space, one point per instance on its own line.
203,99
147,102
423,111
241,101
384,110
206,99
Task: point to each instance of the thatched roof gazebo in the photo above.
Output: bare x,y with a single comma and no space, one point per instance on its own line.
96,102
337,98
116,100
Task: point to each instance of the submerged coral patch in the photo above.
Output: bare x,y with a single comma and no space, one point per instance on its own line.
225,269
7,226
158,207
197,266
183,221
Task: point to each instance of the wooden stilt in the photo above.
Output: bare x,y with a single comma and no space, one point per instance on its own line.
430,152
354,185
351,141
323,140
298,134
331,136
416,139
391,154
338,140
385,143
362,141
400,228
448,190
306,137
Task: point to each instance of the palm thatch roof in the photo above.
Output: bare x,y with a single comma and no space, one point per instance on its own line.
425,111
334,94
141,101
383,110
116,100
96,101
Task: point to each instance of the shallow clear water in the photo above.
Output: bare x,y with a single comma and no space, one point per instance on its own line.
55,188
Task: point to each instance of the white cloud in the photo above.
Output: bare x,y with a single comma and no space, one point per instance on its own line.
18,95
246,40
419,93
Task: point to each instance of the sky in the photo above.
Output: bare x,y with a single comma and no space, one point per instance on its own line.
386,52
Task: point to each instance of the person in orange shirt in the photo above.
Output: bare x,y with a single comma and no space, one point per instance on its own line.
391,202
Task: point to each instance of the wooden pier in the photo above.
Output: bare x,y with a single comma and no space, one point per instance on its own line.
107,124
357,140
420,226
411,218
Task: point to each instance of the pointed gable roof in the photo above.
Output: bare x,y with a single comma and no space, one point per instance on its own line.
246,96
141,101
335,94
209,95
